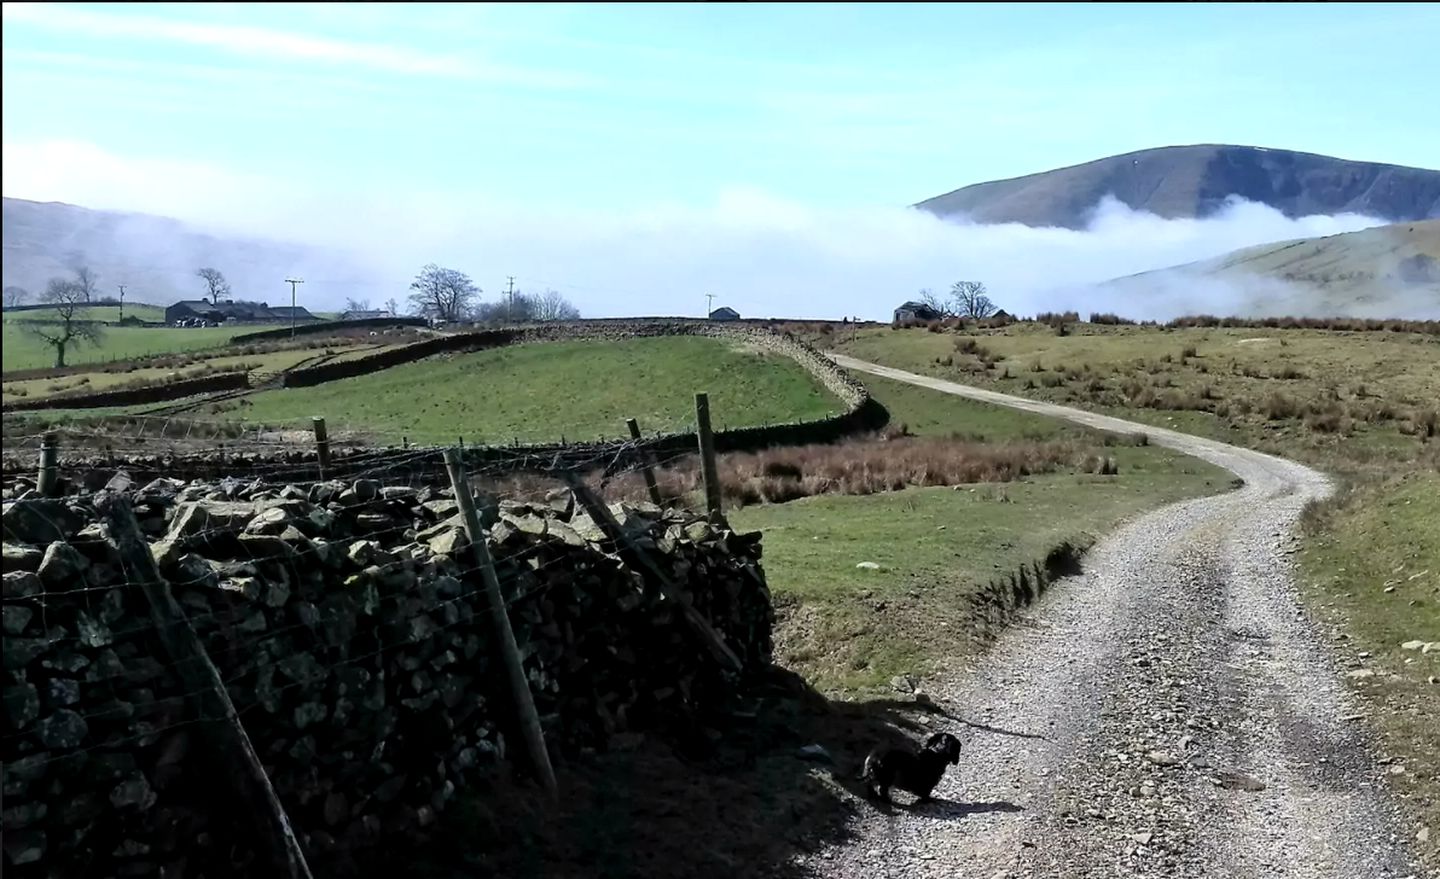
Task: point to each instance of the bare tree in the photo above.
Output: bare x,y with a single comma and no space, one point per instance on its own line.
87,282
392,306
941,307
68,328
551,306
15,296
443,294
357,304
970,300
215,284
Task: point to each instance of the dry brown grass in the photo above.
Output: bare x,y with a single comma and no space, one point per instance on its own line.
865,466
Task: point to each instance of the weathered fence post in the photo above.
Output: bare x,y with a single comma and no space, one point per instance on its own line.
322,444
500,631
646,469
49,474
641,561
707,455
231,744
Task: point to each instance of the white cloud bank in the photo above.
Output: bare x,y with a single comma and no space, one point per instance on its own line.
759,254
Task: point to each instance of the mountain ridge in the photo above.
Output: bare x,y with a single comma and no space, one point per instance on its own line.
1195,181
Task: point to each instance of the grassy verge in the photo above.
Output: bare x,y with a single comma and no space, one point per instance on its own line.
1371,563
578,390
850,629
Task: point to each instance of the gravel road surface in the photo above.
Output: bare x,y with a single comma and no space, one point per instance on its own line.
1169,713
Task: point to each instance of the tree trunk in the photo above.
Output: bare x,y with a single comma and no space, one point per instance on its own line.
59,354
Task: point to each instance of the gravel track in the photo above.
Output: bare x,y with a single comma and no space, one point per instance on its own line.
1169,713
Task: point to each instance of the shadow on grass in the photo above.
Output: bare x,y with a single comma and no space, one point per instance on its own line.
719,798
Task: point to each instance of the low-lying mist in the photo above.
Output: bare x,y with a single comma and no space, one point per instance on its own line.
759,254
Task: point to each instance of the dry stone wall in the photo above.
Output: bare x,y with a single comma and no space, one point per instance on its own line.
347,622
156,393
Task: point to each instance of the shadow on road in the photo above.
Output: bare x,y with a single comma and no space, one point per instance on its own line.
706,797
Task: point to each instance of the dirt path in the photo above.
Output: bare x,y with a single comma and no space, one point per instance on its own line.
1169,713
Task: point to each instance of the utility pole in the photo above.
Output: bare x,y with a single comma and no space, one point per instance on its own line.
292,282
510,291
709,303
122,300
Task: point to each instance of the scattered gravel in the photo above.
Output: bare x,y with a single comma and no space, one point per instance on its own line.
1170,713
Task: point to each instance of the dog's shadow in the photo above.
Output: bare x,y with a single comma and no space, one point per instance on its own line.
952,810
940,809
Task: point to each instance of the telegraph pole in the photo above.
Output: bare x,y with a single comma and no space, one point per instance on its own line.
510,291
292,282
122,300
709,303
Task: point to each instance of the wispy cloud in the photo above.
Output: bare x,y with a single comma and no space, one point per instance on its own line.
257,42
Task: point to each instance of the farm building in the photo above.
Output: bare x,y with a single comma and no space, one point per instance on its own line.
913,311
371,314
231,311
724,313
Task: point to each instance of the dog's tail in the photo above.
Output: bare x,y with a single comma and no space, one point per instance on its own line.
867,772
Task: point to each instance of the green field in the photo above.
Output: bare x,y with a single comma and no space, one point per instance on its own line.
140,311
538,393
849,630
24,351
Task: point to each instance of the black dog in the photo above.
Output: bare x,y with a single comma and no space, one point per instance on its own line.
917,773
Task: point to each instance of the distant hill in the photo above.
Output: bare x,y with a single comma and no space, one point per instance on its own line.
1194,181
1384,271
156,257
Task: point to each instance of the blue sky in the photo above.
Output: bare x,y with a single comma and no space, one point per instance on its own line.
249,114
625,105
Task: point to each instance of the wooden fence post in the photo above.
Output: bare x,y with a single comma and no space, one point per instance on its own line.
49,474
707,455
322,444
231,744
645,469
500,631
640,561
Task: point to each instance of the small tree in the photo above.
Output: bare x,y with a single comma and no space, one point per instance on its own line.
392,306
929,298
87,282
443,294
357,304
551,306
15,296
970,300
215,284
68,328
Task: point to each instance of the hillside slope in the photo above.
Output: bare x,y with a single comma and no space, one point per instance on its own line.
1195,181
156,257
1385,271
